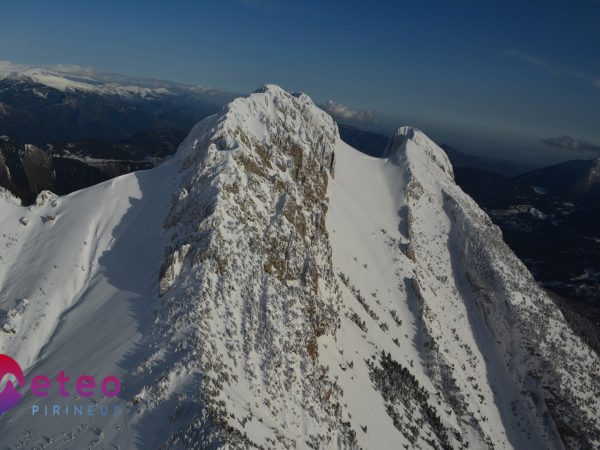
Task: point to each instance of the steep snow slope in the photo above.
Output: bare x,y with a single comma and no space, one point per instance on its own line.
271,287
77,287
474,331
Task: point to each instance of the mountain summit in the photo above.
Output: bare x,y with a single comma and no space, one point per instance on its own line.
271,287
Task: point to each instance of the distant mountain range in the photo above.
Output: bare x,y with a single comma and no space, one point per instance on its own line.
501,166
64,128
41,105
577,180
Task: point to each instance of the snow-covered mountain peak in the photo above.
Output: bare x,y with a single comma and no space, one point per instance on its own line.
252,300
248,235
413,146
270,116
272,88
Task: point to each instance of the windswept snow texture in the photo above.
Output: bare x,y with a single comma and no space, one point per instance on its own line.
272,287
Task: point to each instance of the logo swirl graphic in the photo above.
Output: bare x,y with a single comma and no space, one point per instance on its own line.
9,397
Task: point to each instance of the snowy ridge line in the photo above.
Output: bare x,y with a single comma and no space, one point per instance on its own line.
542,355
77,274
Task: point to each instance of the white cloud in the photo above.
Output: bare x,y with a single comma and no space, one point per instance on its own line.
341,112
569,143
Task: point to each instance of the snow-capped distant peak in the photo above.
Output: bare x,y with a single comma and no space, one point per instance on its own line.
72,78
